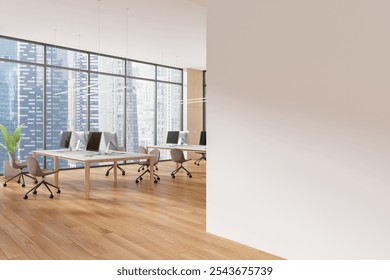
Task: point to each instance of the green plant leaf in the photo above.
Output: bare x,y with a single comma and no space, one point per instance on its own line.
11,141
16,135
5,134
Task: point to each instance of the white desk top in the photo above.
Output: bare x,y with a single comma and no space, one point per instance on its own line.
194,148
84,156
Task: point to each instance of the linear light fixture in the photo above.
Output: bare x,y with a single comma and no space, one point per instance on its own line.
192,100
67,91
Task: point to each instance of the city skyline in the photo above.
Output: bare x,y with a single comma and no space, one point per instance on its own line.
62,94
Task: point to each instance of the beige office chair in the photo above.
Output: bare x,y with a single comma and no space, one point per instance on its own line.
35,170
156,153
142,150
18,165
177,156
121,149
203,157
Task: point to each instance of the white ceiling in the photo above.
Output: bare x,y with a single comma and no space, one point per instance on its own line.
169,32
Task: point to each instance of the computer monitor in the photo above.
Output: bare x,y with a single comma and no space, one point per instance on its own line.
94,141
202,140
65,139
81,138
111,141
173,137
183,138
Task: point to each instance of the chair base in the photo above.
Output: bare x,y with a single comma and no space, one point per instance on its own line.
20,179
120,168
197,162
143,168
155,176
173,174
46,184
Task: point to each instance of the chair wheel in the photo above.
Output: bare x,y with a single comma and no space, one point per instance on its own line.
123,173
158,178
107,173
190,176
141,178
25,197
51,196
137,181
36,182
58,191
23,185
4,185
155,181
18,181
173,176
35,192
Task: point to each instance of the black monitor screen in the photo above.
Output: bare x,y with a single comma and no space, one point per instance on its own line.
202,140
65,139
173,137
94,141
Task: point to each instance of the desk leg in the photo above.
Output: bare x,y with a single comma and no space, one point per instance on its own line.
87,166
56,171
115,171
151,173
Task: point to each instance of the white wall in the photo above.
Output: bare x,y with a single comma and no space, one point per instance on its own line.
299,94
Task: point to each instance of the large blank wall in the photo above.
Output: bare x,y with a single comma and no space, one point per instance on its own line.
299,126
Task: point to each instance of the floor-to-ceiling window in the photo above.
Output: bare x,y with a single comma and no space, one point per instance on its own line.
51,89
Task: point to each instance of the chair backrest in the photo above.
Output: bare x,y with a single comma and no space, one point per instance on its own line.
34,167
177,155
12,160
157,155
142,150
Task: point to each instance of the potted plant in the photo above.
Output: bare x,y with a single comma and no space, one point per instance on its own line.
11,142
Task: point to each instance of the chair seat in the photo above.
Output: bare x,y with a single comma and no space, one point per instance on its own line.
20,164
46,172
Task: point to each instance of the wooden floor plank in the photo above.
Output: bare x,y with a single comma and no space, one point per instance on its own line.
120,221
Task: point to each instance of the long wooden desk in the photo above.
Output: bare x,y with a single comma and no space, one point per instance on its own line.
87,158
187,148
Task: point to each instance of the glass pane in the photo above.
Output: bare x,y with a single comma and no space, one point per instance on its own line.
21,94
66,58
66,107
107,64
106,104
139,113
169,111
169,74
21,51
141,70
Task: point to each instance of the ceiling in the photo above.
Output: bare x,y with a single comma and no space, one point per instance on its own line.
169,32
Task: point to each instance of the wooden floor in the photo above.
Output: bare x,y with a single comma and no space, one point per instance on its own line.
126,221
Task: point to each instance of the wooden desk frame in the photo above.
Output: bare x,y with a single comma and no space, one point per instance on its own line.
86,158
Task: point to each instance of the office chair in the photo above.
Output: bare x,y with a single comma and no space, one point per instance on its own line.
177,156
142,150
203,157
35,170
202,142
122,149
147,166
16,164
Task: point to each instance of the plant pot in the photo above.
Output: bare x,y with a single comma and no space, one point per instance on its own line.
8,171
